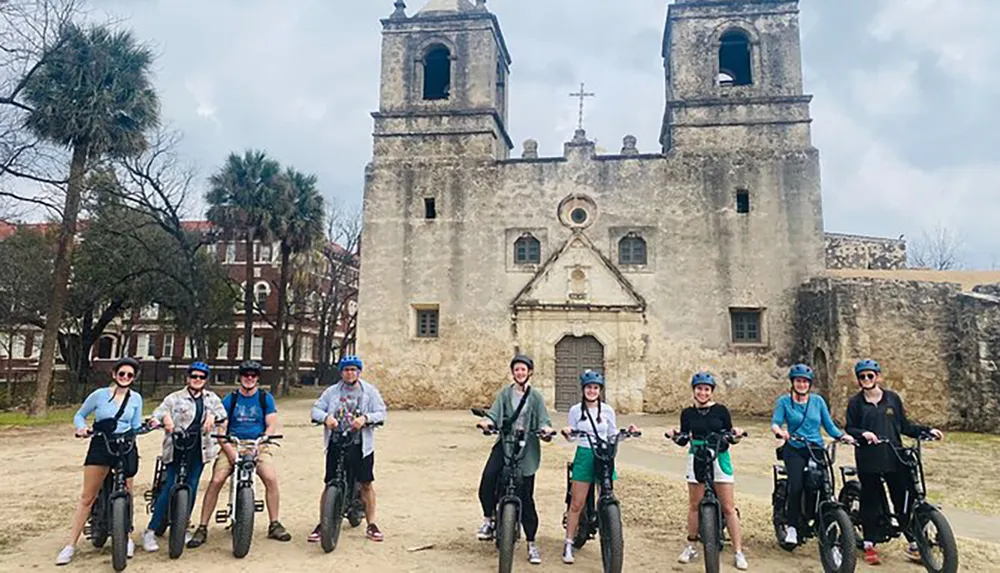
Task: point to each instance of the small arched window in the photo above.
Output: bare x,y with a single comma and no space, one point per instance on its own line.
527,250
260,291
734,59
437,73
632,250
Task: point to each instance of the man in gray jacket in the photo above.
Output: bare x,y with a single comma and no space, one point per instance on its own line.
353,403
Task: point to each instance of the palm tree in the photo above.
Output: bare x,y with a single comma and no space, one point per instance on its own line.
298,223
94,96
242,199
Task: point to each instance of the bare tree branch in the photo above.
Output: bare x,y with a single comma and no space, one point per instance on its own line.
939,249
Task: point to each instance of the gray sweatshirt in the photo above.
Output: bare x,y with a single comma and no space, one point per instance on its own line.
344,401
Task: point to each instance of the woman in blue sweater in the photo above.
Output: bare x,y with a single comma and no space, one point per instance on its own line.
803,414
117,410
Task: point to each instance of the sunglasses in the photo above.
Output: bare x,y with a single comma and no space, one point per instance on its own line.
866,376
197,376
250,374
124,374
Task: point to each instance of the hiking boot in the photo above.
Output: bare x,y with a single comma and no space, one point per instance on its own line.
277,531
688,554
373,532
199,538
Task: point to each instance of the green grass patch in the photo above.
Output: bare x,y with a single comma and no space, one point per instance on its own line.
21,419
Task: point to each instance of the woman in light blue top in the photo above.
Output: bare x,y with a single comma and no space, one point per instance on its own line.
117,410
803,414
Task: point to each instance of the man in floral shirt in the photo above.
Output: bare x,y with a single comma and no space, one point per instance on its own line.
196,411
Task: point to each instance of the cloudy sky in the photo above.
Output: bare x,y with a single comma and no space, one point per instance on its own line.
905,107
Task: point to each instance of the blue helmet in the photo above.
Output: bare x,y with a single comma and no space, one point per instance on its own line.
801,371
350,360
866,364
703,378
199,366
590,377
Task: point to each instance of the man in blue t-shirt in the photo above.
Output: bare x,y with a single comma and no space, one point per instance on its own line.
251,413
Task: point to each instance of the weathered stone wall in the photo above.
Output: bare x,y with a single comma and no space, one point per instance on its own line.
859,252
658,322
936,345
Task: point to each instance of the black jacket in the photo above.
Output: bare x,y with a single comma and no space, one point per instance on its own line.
887,419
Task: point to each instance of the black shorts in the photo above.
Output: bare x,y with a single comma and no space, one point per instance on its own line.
98,455
363,469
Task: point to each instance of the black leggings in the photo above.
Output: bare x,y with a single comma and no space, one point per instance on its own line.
796,460
872,495
488,493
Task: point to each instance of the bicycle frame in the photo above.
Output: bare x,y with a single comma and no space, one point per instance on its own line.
244,472
605,452
705,455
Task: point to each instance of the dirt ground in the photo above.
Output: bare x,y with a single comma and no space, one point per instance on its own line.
427,470
974,453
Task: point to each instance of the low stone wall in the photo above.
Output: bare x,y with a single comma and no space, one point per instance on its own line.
936,344
860,252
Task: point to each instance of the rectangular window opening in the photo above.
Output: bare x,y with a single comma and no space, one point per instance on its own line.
430,210
427,323
742,201
746,326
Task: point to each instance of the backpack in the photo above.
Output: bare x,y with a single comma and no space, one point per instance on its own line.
232,407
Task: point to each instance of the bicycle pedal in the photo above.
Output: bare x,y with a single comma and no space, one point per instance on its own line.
221,516
258,505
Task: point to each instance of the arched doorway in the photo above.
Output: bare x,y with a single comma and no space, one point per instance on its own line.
822,383
105,347
574,354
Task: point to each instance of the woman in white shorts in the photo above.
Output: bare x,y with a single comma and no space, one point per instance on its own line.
700,419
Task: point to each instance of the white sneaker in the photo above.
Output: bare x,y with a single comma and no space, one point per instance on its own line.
688,554
66,555
149,541
741,562
534,554
130,548
485,532
568,553
791,536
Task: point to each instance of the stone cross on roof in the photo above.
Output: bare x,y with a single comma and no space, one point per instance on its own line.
581,94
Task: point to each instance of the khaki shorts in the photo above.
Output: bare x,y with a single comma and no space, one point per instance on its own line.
223,467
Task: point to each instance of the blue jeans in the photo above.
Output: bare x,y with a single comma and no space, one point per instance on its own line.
163,501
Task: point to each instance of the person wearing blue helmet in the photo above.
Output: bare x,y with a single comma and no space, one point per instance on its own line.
250,413
197,411
872,413
700,419
802,414
356,403
596,418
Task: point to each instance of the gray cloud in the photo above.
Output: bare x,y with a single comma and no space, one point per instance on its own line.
903,106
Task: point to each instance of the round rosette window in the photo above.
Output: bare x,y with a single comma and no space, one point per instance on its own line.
577,211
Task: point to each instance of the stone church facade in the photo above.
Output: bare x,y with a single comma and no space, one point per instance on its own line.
707,254
647,266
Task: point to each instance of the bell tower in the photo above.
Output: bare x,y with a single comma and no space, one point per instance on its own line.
734,76
444,83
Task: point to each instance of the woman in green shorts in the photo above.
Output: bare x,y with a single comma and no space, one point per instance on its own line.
700,419
596,418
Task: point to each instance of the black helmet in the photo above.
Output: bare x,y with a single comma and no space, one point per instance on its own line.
250,366
126,361
523,359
